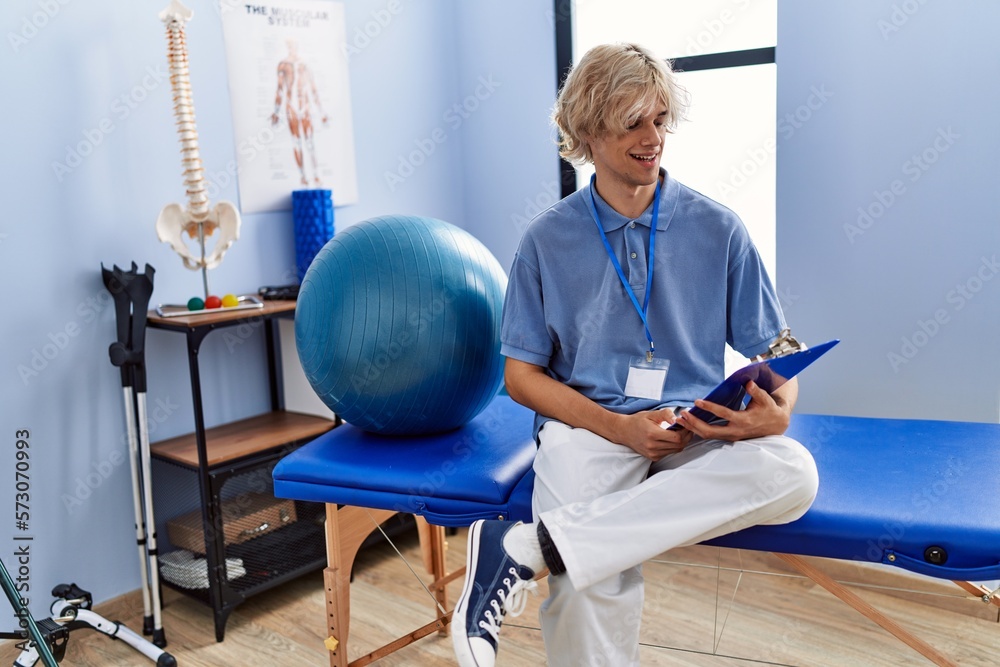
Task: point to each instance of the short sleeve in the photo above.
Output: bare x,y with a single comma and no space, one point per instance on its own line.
523,331
754,316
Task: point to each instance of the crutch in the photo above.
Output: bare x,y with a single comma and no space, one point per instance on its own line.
131,292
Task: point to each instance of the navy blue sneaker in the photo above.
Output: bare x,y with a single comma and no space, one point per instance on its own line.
495,585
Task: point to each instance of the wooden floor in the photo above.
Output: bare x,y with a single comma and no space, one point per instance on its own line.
705,607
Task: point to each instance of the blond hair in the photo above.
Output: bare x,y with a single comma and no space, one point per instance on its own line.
607,91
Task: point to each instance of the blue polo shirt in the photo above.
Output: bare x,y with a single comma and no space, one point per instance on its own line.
567,311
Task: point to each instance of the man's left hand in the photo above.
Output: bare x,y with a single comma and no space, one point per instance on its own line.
763,416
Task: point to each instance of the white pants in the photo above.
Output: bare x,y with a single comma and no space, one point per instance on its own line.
609,509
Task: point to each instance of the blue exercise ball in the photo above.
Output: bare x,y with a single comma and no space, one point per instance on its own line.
398,325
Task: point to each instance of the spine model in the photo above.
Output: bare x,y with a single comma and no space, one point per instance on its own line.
198,219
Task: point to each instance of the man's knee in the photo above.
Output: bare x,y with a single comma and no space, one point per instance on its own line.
805,488
793,478
787,479
802,469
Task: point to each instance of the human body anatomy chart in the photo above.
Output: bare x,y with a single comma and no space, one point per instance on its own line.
290,95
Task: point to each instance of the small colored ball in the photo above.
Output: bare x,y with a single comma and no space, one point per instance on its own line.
213,302
194,303
230,300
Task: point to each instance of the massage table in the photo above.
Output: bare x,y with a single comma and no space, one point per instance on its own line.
918,495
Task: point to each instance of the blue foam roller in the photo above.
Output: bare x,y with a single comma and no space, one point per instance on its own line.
312,214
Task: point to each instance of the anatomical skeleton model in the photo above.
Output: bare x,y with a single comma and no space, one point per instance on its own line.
197,219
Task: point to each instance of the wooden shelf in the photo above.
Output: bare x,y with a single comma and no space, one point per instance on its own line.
241,438
204,318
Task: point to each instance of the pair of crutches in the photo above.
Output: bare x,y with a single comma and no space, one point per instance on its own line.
131,292
46,639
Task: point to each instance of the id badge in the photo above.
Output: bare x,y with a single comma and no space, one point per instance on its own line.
646,378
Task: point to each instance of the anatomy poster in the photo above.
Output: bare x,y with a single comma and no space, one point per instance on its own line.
288,83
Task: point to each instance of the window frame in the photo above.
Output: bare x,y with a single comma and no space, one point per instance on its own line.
563,11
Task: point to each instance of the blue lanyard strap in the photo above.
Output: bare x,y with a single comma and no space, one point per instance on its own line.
644,309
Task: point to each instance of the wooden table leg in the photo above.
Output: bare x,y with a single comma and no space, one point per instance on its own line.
432,547
346,529
980,591
868,611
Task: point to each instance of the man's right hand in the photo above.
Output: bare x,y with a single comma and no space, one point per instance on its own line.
646,433
531,386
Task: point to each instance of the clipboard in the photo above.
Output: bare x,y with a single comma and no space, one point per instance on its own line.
768,374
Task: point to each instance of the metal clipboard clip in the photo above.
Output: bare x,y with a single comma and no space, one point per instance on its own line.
784,344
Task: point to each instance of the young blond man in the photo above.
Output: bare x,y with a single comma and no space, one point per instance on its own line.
621,299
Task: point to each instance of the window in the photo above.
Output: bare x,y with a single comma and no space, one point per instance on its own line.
724,51
677,28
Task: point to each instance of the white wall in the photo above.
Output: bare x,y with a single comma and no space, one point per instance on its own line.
893,111
65,74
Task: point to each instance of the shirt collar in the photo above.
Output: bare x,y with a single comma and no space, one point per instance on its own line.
612,219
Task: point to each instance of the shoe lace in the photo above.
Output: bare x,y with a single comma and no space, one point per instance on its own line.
510,601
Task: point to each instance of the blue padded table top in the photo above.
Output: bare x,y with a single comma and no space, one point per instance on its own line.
889,489
481,470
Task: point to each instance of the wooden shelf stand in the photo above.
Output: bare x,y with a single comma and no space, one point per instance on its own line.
248,446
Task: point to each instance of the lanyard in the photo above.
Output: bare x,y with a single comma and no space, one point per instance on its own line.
644,309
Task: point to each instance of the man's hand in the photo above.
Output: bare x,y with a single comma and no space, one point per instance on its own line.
765,415
646,433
